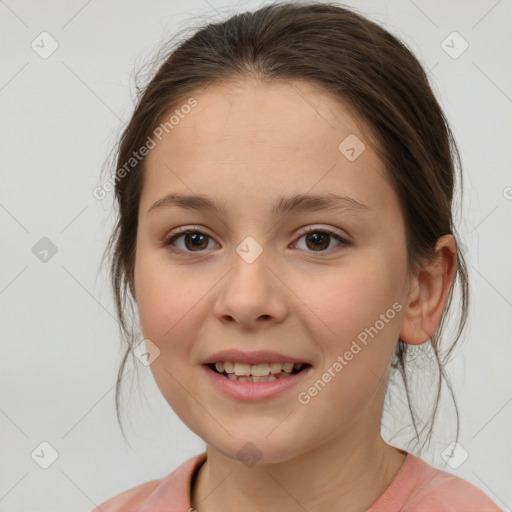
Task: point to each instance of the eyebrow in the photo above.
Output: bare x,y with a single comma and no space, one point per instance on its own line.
284,205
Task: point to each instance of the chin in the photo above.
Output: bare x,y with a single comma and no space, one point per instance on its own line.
259,449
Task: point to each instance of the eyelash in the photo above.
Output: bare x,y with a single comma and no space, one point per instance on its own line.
169,241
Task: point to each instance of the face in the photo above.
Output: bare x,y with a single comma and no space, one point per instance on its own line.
252,279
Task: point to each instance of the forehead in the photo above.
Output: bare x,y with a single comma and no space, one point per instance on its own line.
299,112
261,137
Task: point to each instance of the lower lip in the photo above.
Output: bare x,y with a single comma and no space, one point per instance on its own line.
253,391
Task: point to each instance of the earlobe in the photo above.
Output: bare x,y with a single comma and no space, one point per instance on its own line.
428,293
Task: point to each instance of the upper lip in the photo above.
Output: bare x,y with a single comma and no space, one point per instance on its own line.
257,357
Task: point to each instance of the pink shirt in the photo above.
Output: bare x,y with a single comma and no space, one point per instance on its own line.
417,487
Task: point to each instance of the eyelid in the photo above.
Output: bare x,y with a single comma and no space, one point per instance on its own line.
318,227
184,230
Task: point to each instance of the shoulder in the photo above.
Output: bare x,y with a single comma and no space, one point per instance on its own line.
439,490
130,500
171,492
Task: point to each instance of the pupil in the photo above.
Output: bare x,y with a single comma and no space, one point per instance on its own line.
318,237
195,238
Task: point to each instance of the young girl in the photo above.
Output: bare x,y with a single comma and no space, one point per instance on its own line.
285,229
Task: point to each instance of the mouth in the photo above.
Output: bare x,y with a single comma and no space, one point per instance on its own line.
265,372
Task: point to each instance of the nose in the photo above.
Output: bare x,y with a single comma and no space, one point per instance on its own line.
252,295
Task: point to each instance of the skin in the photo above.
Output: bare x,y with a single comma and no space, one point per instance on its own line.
247,144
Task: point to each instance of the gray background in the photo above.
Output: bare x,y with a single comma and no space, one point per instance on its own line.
60,352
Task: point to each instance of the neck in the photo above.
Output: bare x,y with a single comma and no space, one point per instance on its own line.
316,481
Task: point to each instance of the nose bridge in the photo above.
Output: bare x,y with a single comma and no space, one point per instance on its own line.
250,276
251,290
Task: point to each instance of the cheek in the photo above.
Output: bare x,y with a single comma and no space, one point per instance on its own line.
170,309
166,309
351,299
356,329
164,297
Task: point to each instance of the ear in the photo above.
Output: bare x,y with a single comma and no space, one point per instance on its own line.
428,293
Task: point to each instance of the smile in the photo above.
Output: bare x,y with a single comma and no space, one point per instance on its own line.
245,382
265,372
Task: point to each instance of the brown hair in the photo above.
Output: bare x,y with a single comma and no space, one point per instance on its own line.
346,55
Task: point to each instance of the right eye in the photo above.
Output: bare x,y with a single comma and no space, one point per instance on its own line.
193,241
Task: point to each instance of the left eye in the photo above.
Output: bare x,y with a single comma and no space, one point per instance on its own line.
319,239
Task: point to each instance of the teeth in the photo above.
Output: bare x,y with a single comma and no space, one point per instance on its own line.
258,371
287,367
268,378
242,369
276,367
